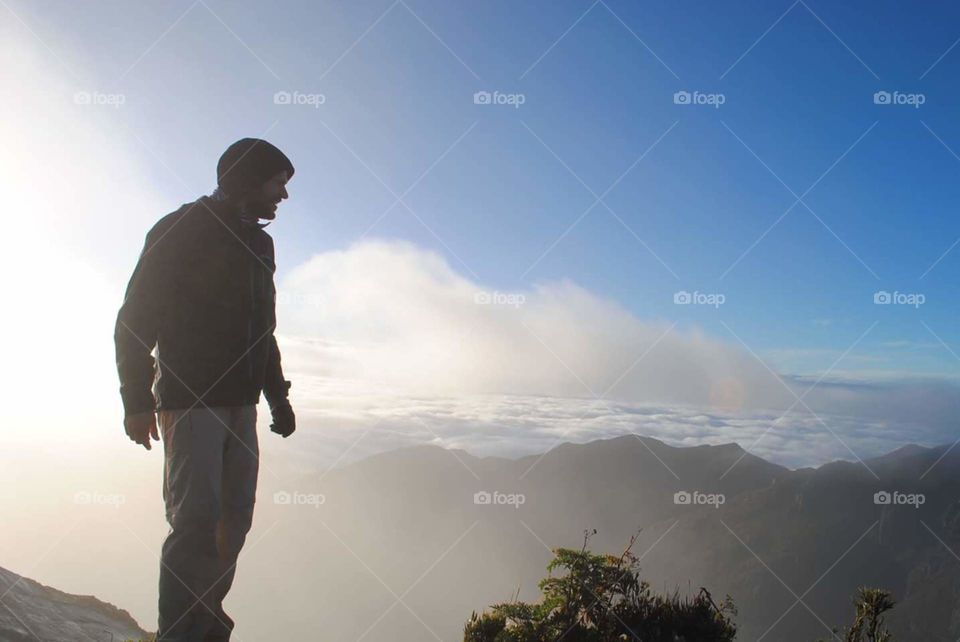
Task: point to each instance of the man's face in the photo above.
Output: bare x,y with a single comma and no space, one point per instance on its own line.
263,201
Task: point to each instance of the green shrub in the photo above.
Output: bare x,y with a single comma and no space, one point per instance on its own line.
601,598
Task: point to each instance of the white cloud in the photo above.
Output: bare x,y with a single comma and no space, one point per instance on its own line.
339,424
390,314
387,337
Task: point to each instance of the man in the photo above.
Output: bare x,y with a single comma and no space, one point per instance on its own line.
203,295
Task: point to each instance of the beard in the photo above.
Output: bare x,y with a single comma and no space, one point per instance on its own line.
261,211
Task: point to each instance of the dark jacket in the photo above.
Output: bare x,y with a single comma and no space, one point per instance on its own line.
202,294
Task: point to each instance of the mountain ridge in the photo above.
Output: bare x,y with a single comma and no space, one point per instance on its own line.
420,518
395,507
902,452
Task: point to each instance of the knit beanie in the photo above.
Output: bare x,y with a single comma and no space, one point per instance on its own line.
249,163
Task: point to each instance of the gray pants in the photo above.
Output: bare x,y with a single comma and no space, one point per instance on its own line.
211,458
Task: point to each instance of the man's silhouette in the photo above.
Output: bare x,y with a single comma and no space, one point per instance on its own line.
202,294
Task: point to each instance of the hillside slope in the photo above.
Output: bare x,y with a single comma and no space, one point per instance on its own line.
30,611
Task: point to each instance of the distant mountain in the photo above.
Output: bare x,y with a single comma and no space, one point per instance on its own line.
404,545
448,533
30,611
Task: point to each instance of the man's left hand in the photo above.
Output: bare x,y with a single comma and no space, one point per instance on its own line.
284,421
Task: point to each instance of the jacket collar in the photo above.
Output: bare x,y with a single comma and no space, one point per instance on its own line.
219,200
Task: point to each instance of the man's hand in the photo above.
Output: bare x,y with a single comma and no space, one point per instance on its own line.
141,427
284,421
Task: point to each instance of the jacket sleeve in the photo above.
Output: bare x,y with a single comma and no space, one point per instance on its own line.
275,387
136,330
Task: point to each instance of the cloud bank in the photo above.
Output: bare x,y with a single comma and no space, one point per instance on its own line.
387,332
390,313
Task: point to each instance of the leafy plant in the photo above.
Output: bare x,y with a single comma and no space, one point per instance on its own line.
601,598
871,604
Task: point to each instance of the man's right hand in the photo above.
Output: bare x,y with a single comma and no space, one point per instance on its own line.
141,427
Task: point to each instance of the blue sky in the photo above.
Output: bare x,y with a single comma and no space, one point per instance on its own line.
598,82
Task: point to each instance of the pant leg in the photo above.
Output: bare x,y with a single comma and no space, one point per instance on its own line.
193,442
241,458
